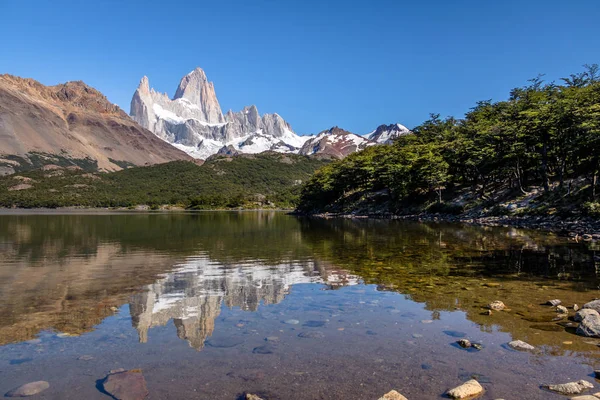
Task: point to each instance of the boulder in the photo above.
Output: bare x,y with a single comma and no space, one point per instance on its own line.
466,390
520,345
594,305
392,395
569,388
581,314
126,385
589,326
28,389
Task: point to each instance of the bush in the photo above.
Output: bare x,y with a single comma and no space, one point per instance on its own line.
592,209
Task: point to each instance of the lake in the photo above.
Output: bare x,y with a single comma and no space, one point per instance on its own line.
211,305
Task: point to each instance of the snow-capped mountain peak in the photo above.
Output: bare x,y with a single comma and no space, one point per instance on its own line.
193,121
386,134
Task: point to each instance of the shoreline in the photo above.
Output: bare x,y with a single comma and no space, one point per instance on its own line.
584,228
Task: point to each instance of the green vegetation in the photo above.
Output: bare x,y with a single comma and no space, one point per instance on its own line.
35,160
244,181
545,135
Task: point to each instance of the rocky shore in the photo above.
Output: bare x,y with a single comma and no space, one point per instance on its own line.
580,228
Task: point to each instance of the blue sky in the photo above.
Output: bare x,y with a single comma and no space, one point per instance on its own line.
355,64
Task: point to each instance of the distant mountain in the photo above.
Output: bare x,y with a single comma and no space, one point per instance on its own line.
192,121
386,134
71,124
335,142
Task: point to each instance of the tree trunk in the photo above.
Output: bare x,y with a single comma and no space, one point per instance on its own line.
545,168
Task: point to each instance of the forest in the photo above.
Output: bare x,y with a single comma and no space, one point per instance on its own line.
249,181
545,138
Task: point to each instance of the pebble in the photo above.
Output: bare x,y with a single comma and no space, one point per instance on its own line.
266,349
392,395
520,345
126,385
426,321
250,396
466,390
85,357
292,322
272,338
28,389
464,343
313,324
496,305
575,307
311,335
570,387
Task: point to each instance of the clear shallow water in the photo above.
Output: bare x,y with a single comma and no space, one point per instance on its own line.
352,309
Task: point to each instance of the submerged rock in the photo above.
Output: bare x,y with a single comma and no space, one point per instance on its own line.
28,389
590,326
581,314
126,385
466,390
520,345
311,335
392,395
570,387
496,305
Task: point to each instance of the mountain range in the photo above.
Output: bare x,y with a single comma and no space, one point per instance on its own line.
74,125
193,122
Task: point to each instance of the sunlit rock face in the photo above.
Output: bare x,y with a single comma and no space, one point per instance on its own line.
193,121
193,294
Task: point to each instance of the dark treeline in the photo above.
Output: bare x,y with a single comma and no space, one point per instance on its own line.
545,135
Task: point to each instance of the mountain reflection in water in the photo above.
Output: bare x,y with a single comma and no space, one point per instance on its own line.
68,272
192,295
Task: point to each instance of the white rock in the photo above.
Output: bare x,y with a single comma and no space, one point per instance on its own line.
496,305
570,387
520,345
466,390
581,314
28,389
392,395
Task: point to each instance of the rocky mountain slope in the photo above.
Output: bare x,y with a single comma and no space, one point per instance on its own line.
193,121
71,124
386,134
335,142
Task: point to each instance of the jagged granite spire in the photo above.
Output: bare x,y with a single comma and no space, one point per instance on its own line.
196,88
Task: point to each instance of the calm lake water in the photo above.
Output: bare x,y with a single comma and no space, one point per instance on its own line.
212,305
